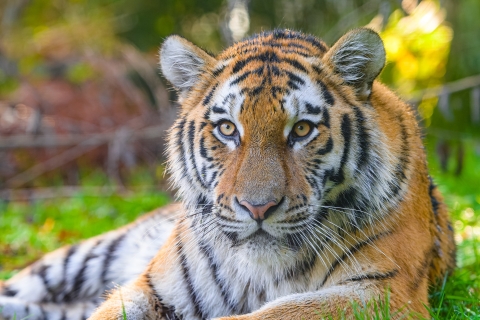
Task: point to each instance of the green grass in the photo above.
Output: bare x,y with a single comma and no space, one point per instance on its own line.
459,296
28,230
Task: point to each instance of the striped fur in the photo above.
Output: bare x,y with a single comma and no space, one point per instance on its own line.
70,282
354,210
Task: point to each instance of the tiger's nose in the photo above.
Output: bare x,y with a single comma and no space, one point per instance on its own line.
259,212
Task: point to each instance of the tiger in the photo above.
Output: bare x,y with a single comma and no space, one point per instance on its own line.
304,191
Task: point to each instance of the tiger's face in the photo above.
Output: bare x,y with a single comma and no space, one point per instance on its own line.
277,137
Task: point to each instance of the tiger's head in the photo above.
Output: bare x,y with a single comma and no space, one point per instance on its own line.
277,134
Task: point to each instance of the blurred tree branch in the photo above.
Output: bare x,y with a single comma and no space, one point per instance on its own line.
12,10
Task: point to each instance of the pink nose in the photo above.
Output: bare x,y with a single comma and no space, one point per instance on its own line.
257,212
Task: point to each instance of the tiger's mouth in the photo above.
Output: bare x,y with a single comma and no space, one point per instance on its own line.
261,234
259,238
265,234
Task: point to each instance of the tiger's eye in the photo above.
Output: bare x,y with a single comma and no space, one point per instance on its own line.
302,128
227,128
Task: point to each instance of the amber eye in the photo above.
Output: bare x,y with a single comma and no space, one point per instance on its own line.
227,128
302,129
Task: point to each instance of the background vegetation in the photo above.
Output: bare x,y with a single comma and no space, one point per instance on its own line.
83,109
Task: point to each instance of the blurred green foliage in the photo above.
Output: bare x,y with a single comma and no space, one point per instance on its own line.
29,229
464,60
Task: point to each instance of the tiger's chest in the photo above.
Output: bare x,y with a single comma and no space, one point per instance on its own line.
205,283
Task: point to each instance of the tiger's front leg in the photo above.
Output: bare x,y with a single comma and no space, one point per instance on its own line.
140,300
335,302
135,301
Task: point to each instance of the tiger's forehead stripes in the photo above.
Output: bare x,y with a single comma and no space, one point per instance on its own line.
287,40
280,46
270,73
296,98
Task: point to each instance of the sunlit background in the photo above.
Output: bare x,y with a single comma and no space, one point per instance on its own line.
83,109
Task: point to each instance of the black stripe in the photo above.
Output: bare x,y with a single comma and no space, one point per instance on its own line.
313,41
351,252
209,96
42,273
346,131
435,202
206,114
275,70
326,94
315,164
240,78
186,276
218,71
71,251
374,276
107,261
239,65
218,110
317,68
259,70
292,85
256,91
274,90
284,47
80,277
266,57
352,199
220,284
212,180
229,96
181,150
269,56
163,311
295,64
313,109
327,149
191,141
8,292
203,124
203,150
294,78
294,45
63,284
288,34
325,118
313,183
363,138
401,166
297,52
301,268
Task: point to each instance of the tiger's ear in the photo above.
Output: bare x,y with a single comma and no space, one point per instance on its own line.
182,63
359,57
